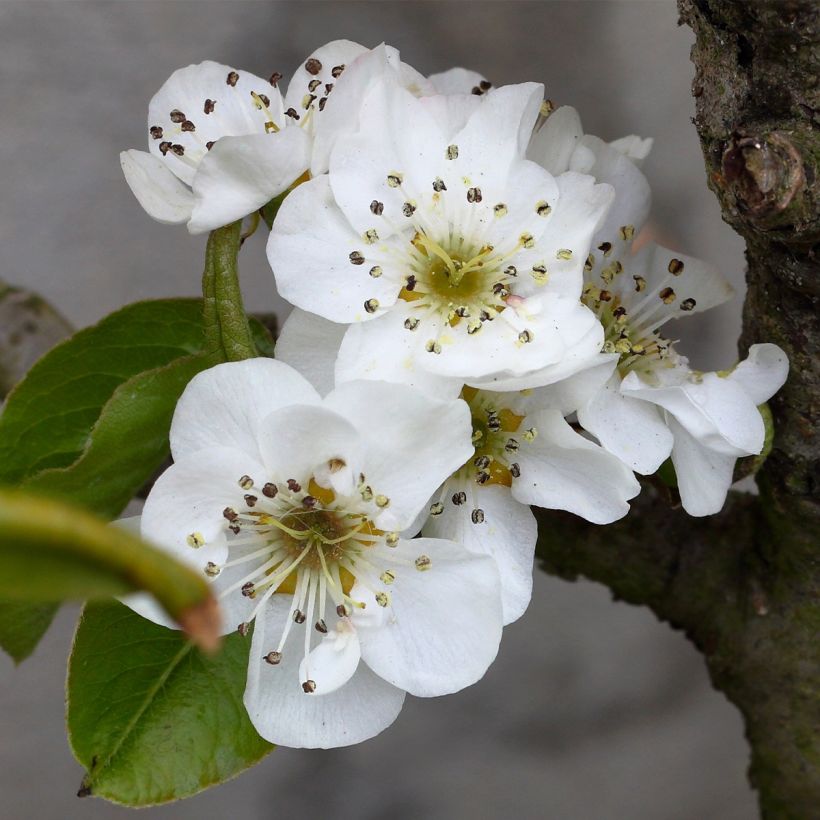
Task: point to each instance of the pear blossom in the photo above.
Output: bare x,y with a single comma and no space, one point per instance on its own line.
301,511
223,142
526,453
655,405
450,258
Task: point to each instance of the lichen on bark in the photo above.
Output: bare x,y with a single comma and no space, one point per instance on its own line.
745,584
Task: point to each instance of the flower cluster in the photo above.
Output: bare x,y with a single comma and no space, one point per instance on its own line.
477,329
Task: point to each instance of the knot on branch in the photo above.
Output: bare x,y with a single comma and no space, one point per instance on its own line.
764,174
769,182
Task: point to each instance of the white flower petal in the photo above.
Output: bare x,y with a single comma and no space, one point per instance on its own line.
333,662
298,441
224,405
763,373
582,351
635,147
704,476
385,350
632,195
180,111
456,81
451,112
507,533
582,205
310,250
442,628
310,344
552,145
500,128
327,66
498,352
412,442
160,193
282,713
696,287
714,409
633,430
360,163
188,500
241,174
143,603
562,470
573,392
341,112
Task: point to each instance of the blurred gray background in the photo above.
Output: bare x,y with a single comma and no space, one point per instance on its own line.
593,710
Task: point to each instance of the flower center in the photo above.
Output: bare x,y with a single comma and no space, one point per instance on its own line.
458,280
640,347
496,439
311,544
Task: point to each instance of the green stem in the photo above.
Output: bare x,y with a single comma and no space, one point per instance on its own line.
227,332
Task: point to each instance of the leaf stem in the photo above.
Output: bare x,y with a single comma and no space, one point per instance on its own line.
227,332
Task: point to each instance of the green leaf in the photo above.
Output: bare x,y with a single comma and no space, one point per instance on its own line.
53,552
90,421
48,416
22,625
151,718
128,443
227,331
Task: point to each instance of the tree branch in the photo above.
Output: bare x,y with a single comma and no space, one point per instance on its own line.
745,584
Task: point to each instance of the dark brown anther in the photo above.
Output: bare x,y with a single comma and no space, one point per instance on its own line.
336,71
299,617
179,150
156,132
164,147
377,207
188,126
322,103
309,502
177,116
232,79
274,78
293,485
243,629
251,500
341,611
313,66
209,106
309,686
292,113
321,626
210,144
248,590
269,490
273,658
230,513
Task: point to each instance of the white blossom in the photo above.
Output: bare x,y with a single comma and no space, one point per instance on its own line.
655,405
223,142
527,454
301,511
451,257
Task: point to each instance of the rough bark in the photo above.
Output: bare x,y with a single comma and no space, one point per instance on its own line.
745,585
29,327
